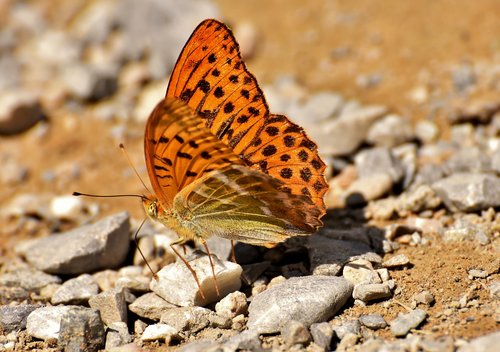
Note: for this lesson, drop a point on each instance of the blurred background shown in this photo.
(79, 77)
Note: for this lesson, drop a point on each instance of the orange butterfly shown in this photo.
(219, 162)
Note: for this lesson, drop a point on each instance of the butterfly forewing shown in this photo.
(179, 149)
(212, 79)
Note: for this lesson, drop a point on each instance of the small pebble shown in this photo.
(405, 322)
(396, 261)
(373, 321)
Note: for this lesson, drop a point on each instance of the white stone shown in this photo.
(232, 305)
(45, 323)
(159, 332)
(66, 207)
(177, 285)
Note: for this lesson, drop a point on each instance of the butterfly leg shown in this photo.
(233, 255)
(190, 268)
(213, 267)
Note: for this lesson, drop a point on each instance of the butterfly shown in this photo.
(219, 162)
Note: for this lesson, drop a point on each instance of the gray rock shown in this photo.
(396, 261)
(99, 246)
(19, 110)
(88, 82)
(370, 292)
(232, 305)
(429, 173)
(322, 334)
(150, 306)
(347, 327)
(177, 285)
(368, 188)
(14, 317)
(405, 322)
(251, 272)
(308, 299)
(470, 159)
(373, 321)
(112, 306)
(463, 230)
(469, 192)
(417, 199)
(76, 291)
(82, 329)
(247, 340)
(29, 279)
(219, 246)
(45, 322)
(407, 155)
(486, 343)
(186, 319)
(494, 288)
(346, 133)
(379, 160)
(328, 255)
(117, 335)
(294, 332)
(390, 131)
(360, 271)
(424, 297)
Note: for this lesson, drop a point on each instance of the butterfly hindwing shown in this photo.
(239, 203)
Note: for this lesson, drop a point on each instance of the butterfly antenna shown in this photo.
(139, 249)
(122, 147)
(77, 194)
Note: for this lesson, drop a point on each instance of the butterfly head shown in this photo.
(151, 205)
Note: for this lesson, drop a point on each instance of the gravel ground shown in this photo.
(402, 101)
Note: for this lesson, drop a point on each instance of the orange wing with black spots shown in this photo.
(212, 79)
(179, 149)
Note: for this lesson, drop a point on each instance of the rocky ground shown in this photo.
(403, 101)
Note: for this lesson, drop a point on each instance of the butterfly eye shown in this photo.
(153, 210)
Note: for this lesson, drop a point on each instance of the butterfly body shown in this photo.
(219, 162)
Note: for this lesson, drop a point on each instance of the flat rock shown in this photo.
(371, 292)
(19, 110)
(248, 340)
(360, 271)
(405, 322)
(390, 131)
(150, 306)
(187, 319)
(76, 291)
(350, 326)
(379, 160)
(368, 188)
(82, 329)
(93, 247)
(14, 317)
(396, 261)
(346, 133)
(45, 322)
(308, 299)
(328, 255)
(29, 279)
(111, 304)
(373, 321)
(177, 285)
(469, 192)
